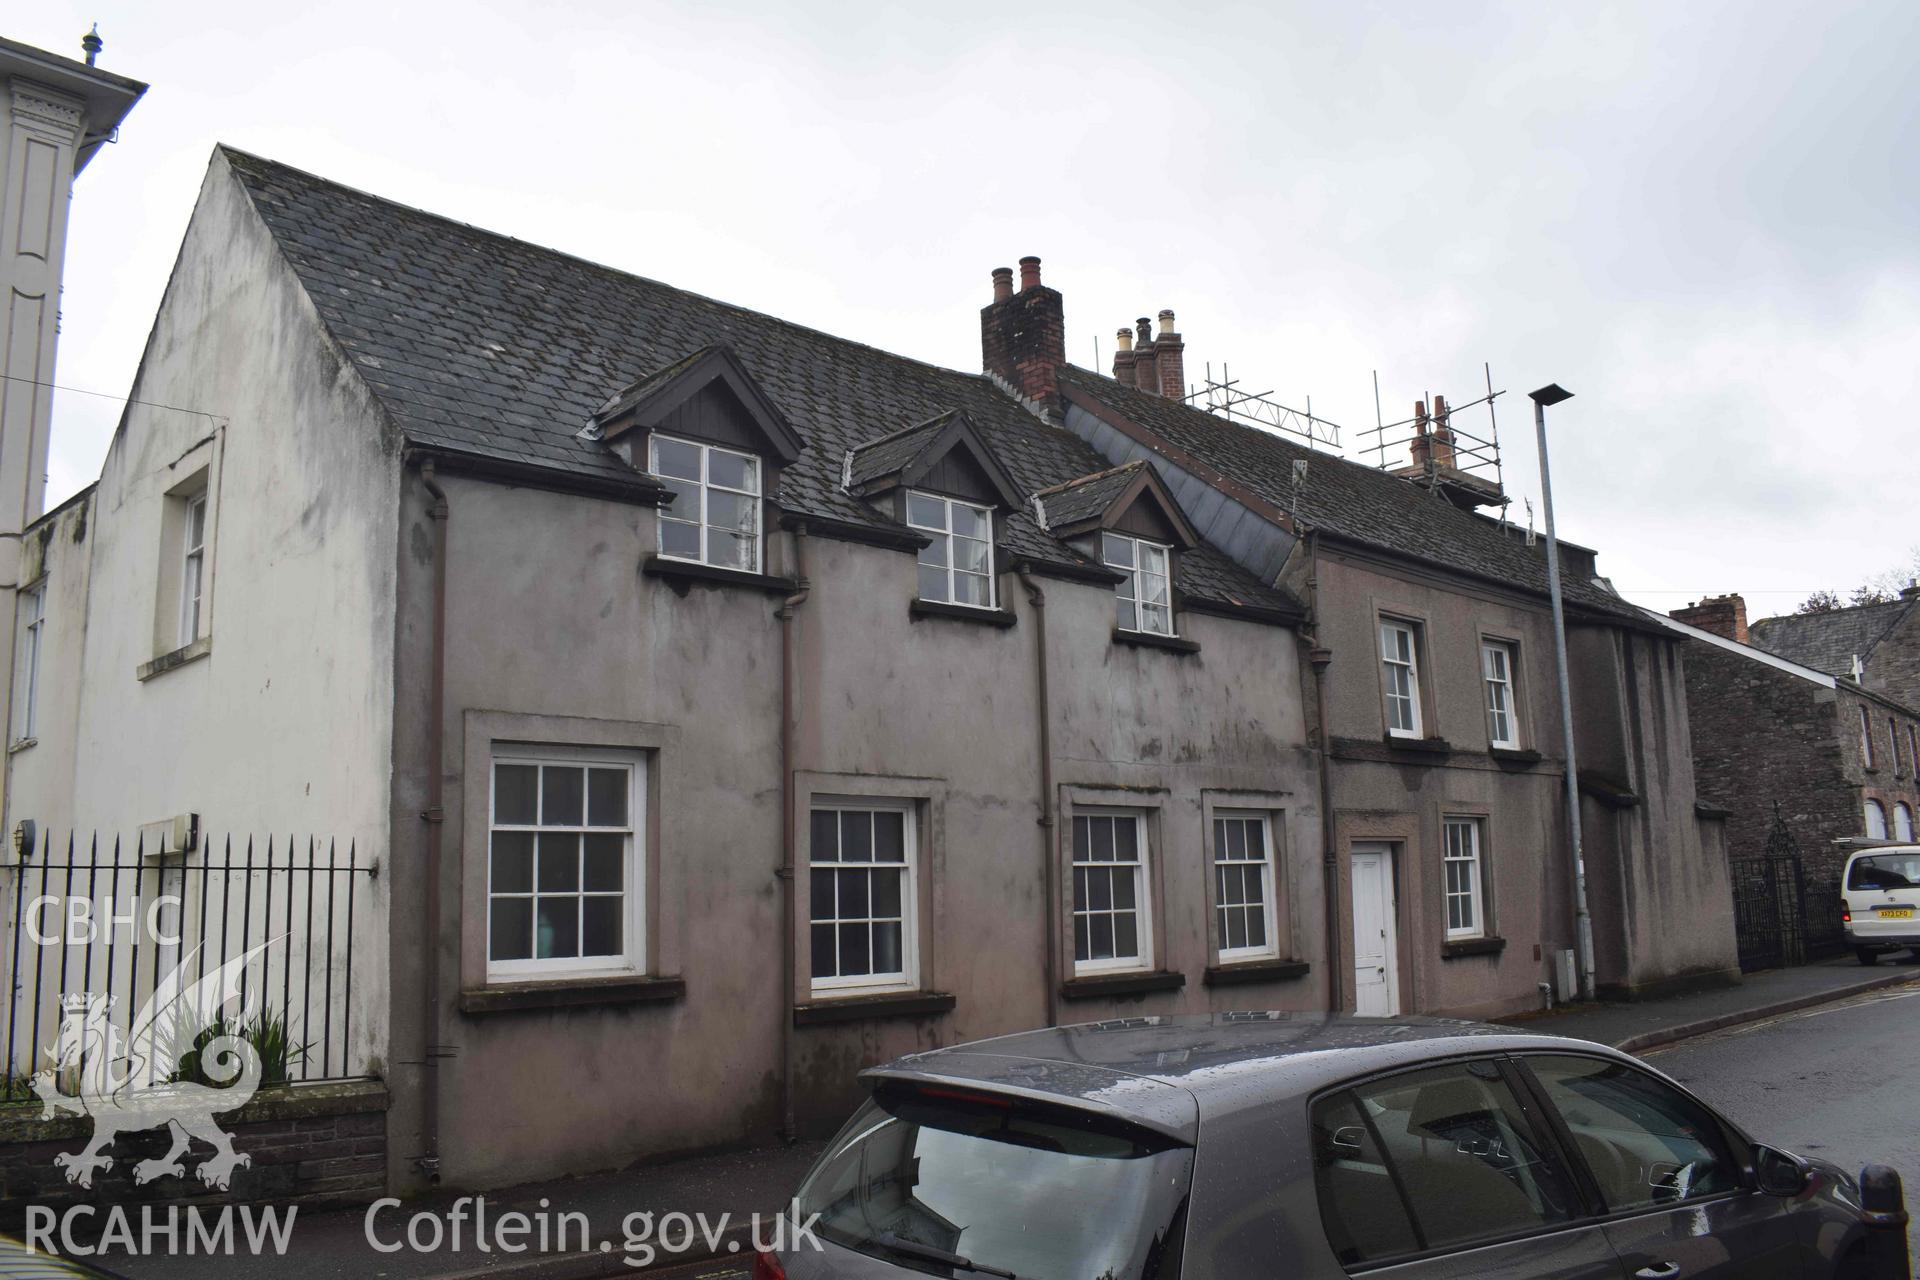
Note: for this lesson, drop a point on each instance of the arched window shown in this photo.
(1902, 822)
(1876, 821)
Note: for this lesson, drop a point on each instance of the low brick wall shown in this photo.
(309, 1144)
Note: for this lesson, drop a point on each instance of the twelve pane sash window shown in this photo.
(193, 569)
(715, 514)
(1462, 862)
(1243, 888)
(861, 893)
(1876, 821)
(1496, 665)
(1902, 821)
(1109, 892)
(1144, 602)
(956, 566)
(1400, 668)
(559, 870)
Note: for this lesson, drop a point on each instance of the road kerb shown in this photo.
(1758, 1013)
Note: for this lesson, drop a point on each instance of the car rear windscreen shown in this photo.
(1885, 871)
(1041, 1192)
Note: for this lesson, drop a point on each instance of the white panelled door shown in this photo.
(1376, 967)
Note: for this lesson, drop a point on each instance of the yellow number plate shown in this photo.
(1896, 913)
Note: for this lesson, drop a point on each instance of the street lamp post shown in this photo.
(1554, 393)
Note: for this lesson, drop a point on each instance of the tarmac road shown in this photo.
(1830, 1081)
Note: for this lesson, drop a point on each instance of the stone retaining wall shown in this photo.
(308, 1144)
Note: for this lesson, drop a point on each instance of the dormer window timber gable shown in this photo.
(946, 455)
(940, 479)
(706, 431)
(1125, 518)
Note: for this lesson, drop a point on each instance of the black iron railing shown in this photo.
(124, 920)
(1785, 912)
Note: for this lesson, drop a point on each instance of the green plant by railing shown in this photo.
(267, 1033)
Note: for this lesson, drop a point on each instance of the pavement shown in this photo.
(1639, 1025)
(626, 1212)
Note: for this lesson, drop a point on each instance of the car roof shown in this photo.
(1152, 1070)
(1885, 846)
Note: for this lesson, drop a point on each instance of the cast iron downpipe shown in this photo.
(435, 817)
(788, 832)
(1038, 598)
(1319, 656)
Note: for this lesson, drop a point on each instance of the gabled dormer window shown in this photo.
(1126, 517)
(1144, 600)
(714, 518)
(956, 565)
(703, 428)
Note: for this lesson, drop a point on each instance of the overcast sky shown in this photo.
(1699, 217)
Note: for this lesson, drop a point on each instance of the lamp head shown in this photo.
(1552, 393)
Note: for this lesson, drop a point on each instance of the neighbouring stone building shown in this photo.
(726, 706)
(1778, 715)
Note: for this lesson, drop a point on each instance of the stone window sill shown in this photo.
(1245, 971)
(1103, 985)
(1002, 618)
(902, 1004)
(516, 996)
(1419, 746)
(1147, 640)
(1521, 757)
(683, 575)
(177, 658)
(1472, 947)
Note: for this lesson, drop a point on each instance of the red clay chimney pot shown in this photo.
(1029, 273)
(1002, 283)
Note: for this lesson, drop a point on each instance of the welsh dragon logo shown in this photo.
(132, 1082)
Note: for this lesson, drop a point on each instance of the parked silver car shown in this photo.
(1276, 1144)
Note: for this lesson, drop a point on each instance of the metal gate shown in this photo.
(1783, 914)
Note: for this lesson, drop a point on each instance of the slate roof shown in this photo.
(1828, 641)
(1348, 499)
(1088, 496)
(479, 344)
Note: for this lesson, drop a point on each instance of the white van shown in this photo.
(1880, 900)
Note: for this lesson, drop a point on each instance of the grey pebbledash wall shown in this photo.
(319, 1144)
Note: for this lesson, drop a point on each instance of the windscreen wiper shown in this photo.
(914, 1249)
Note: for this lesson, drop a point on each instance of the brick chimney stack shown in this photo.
(1443, 450)
(1146, 359)
(1023, 336)
(1422, 442)
(1169, 353)
(1725, 616)
(1123, 357)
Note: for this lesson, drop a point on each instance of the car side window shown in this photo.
(1430, 1159)
(1646, 1143)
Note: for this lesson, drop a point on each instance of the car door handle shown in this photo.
(1659, 1271)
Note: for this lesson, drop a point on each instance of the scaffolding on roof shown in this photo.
(1225, 396)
